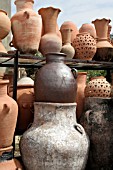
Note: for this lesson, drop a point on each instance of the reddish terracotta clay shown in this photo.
(85, 46)
(80, 98)
(67, 48)
(26, 27)
(86, 27)
(13, 164)
(8, 116)
(101, 26)
(50, 41)
(70, 25)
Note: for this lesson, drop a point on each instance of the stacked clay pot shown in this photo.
(98, 87)
(67, 48)
(26, 27)
(50, 41)
(72, 26)
(8, 116)
(85, 46)
(86, 27)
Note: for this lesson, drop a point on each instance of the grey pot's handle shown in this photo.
(79, 128)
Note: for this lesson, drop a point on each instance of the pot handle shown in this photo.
(26, 14)
(87, 114)
(6, 108)
(79, 128)
(75, 72)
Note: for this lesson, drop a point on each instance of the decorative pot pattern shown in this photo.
(50, 41)
(26, 27)
(85, 46)
(8, 116)
(98, 87)
(55, 82)
(67, 48)
(97, 120)
(55, 140)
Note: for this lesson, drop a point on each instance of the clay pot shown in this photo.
(5, 27)
(72, 26)
(97, 121)
(55, 82)
(55, 140)
(88, 28)
(11, 165)
(67, 48)
(98, 87)
(8, 116)
(50, 41)
(85, 46)
(80, 98)
(26, 27)
(25, 100)
(101, 26)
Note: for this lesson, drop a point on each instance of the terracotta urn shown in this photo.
(98, 87)
(8, 116)
(86, 27)
(55, 139)
(50, 41)
(55, 81)
(26, 27)
(85, 46)
(101, 26)
(80, 98)
(67, 48)
(25, 100)
(12, 164)
(70, 25)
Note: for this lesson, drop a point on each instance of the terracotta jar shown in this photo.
(101, 26)
(80, 98)
(55, 81)
(72, 26)
(50, 41)
(86, 27)
(26, 27)
(13, 164)
(97, 121)
(98, 87)
(55, 140)
(67, 48)
(85, 46)
(8, 116)
(25, 100)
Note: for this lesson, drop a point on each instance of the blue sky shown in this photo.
(77, 11)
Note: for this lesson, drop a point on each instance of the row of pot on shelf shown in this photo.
(33, 32)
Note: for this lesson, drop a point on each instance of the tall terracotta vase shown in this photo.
(55, 141)
(26, 27)
(80, 98)
(67, 48)
(8, 116)
(50, 41)
(101, 26)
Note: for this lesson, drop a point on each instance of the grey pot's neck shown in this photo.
(61, 113)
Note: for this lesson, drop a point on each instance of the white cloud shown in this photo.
(77, 11)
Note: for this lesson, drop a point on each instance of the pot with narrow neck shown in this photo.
(50, 41)
(67, 48)
(26, 27)
(55, 81)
